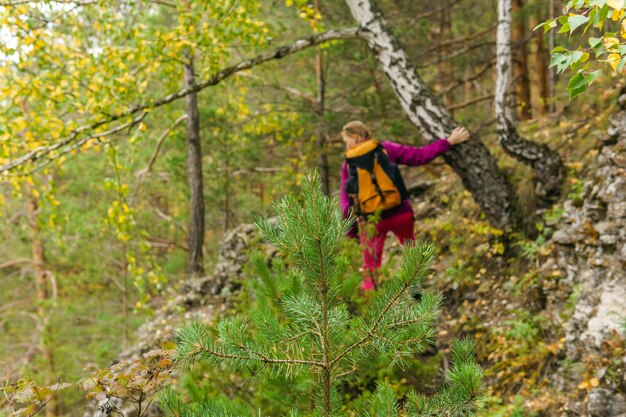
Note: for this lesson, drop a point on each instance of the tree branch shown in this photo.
(214, 79)
(470, 102)
(14, 262)
(259, 357)
(45, 151)
(370, 332)
(141, 174)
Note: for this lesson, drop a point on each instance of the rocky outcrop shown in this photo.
(591, 246)
(591, 252)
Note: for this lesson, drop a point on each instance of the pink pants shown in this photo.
(401, 226)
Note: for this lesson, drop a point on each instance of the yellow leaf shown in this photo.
(594, 382)
(616, 4)
(610, 42)
(623, 29)
(614, 61)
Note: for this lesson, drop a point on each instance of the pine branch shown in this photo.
(199, 349)
(370, 332)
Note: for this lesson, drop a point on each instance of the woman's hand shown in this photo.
(458, 135)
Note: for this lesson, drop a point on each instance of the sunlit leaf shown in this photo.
(613, 60)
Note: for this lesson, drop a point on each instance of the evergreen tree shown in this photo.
(312, 331)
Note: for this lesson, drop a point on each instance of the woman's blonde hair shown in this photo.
(358, 128)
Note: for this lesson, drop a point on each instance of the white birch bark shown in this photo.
(504, 110)
(547, 165)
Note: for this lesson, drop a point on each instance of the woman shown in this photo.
(398, 219)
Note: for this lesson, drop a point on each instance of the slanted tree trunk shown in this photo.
(194, 164)
(520, 61)
(546, 163)
(477, 168)
(319, 111)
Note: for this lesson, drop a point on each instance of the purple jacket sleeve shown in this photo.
(414, 156)
(344, 200)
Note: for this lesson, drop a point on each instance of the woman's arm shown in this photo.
(413, 155)
(344, 201)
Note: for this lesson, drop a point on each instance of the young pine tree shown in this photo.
(308, 329)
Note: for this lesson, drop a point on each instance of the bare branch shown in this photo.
(260, 170)
(14, 262)
(466, 38)
(142, 174)
(470, 102)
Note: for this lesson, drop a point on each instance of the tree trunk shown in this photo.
(520, 61)
(194, 163)
(445, 76)
(227, 190)
(546, 163)
(319, 111)
(539, 72)
(553, 75)
(477, 168)
(42, 291)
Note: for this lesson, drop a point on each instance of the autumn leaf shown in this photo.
(610, 42)
(613, 60)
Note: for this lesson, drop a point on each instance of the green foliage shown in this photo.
(606, 19)
(305, 329)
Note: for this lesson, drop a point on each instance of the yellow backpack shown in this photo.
(374, 182)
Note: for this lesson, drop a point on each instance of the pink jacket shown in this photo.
(401, 155)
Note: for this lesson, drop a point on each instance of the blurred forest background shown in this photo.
(115, 207)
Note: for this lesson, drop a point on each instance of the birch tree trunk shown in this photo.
(546, 163)
(194, 164)
(471, 160)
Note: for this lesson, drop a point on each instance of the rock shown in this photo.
(568, 236)
(617, 210)
(605, 403)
